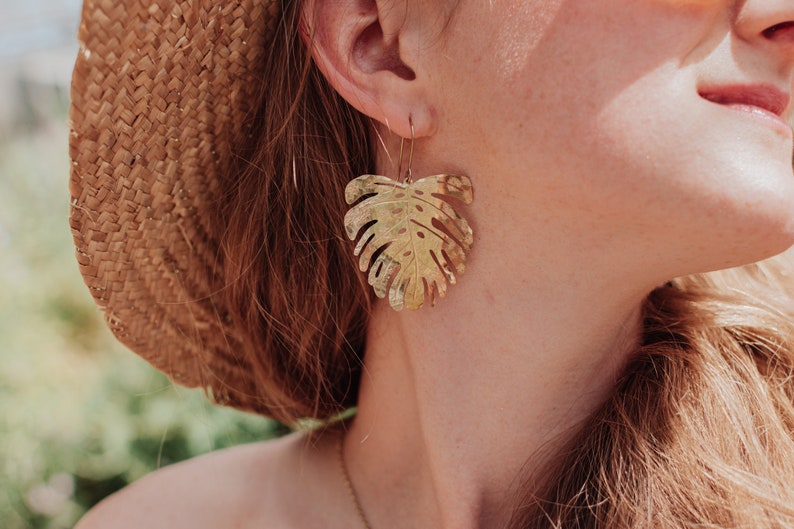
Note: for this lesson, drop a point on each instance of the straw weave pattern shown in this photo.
(159, 91)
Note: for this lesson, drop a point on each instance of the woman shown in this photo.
(567, 379)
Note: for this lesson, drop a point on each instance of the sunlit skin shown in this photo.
(599, 169)
(600, 127)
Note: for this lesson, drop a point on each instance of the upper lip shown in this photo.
(767, 97)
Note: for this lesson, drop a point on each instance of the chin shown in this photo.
(776, 242)
(731, 235)
(757, 219)
(766, 238)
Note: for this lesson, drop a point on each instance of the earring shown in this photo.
(413, 241)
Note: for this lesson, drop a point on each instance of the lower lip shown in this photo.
(778, 123)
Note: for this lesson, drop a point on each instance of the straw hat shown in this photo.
(159, 91)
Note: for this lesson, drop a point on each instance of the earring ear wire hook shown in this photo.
(408, 172)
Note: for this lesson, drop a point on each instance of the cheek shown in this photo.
(521, 27)
(715, 187)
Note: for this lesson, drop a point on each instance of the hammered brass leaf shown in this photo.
(419, 240)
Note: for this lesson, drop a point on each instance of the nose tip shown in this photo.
(773, 20)
(768, 25)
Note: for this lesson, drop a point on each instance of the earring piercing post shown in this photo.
(409, 172)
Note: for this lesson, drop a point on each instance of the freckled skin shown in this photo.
(598, 122)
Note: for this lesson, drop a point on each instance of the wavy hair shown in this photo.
(699, 433)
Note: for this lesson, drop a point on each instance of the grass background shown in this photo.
(80, 417)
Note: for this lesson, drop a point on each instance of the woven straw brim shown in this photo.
(159, 93)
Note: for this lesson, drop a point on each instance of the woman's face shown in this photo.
(653, 126)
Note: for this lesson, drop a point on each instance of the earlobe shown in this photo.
(357, 46)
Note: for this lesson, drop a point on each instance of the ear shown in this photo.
(368, 51)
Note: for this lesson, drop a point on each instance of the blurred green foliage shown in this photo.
(79, 416)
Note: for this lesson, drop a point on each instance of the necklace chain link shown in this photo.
(349, 483)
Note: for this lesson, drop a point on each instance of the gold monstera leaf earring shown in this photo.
(410, 238)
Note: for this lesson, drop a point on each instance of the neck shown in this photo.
(460, 402)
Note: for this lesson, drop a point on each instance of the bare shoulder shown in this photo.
(246, 486)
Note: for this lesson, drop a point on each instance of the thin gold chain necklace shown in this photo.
(349, 482)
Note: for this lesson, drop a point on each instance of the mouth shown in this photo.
(765, 98)
(761, 101)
